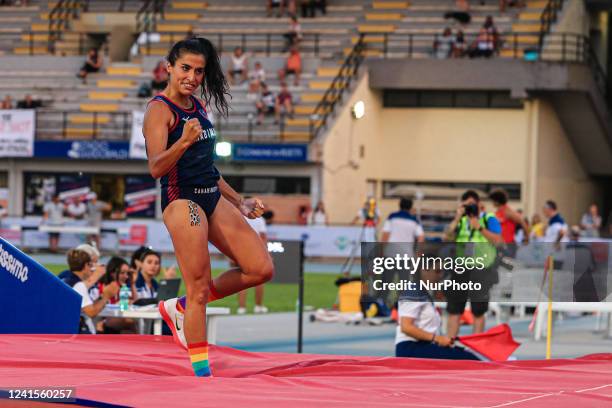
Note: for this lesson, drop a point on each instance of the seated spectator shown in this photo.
(294, 35)
(309, 6)
(419, 323)
(93, 63)
(80, 264)
(150, 267)
(510, 3)
(97, 269)
(76, 209)
(293, 66)
(28, 103)
(7, 102)
(284, 102)
(278, 4)
(266, 105)
(444, 46)
(257, 77)
(239, 66)
(117, 272)
(459, 47)
(160, 78)
(487, 42)
(461, 13)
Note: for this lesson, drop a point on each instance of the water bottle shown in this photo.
(124, 297)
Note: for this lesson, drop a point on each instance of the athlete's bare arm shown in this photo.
(251, 207)
(158, 119)
(229, 193)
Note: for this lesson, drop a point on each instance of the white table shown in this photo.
(151, 313)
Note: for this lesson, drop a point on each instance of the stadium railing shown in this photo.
(347, 72)
(548, 18)
(557, 47)
(117, 126)
(259, 43)
(60, 16)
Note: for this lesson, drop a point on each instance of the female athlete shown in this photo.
(198, 205)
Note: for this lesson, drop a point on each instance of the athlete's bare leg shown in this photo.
(188, 228)
(234, 237)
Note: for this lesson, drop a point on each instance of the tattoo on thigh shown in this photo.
(194, 215)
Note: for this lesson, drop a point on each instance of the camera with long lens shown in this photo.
(471, 210)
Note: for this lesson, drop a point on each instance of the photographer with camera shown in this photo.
(473, 225)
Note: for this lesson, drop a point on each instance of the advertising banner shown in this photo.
(17, 133)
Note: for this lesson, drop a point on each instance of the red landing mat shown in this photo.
(149, 371)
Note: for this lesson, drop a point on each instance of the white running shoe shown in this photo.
(241, 310)
(174, 320)
(260, 309)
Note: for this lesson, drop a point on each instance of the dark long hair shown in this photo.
(215, 85)
(112, 270)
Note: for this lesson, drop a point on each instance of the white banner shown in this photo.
(17, 133)
(335, 241)
(138, 149)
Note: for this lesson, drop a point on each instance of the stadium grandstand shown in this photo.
(487, 122)
(395, 47)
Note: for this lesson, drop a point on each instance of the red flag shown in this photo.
(496, 343)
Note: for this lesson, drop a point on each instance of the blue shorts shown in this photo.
(425, 349)
(206, 197)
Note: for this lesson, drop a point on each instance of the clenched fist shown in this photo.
(251, 208)
(192, 130)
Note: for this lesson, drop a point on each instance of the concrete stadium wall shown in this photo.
(560, 175)
(446, 145)
(526, 146)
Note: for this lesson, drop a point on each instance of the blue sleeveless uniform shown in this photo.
(194, 177)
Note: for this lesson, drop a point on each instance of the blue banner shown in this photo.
(270, 152)
(82, 149)
(32, 299)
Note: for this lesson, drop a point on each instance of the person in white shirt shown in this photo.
(239, 66)
(319, 216)
(256, 77)
(54, 215)
(417, 334)
(80, 269)
(76, 209)
(259, 225)
(557, 230)
(402, 229)
(402, 226)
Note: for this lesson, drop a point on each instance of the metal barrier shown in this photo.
(557, 46)
(56, 124)
(347, 72)
(548, 18)
(59, 18)
(264, 43)
(53, 124)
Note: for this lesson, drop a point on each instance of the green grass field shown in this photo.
(319, 291)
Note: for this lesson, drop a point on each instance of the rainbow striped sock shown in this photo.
(198, 353)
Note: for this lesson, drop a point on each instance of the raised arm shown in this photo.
(157, 120)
